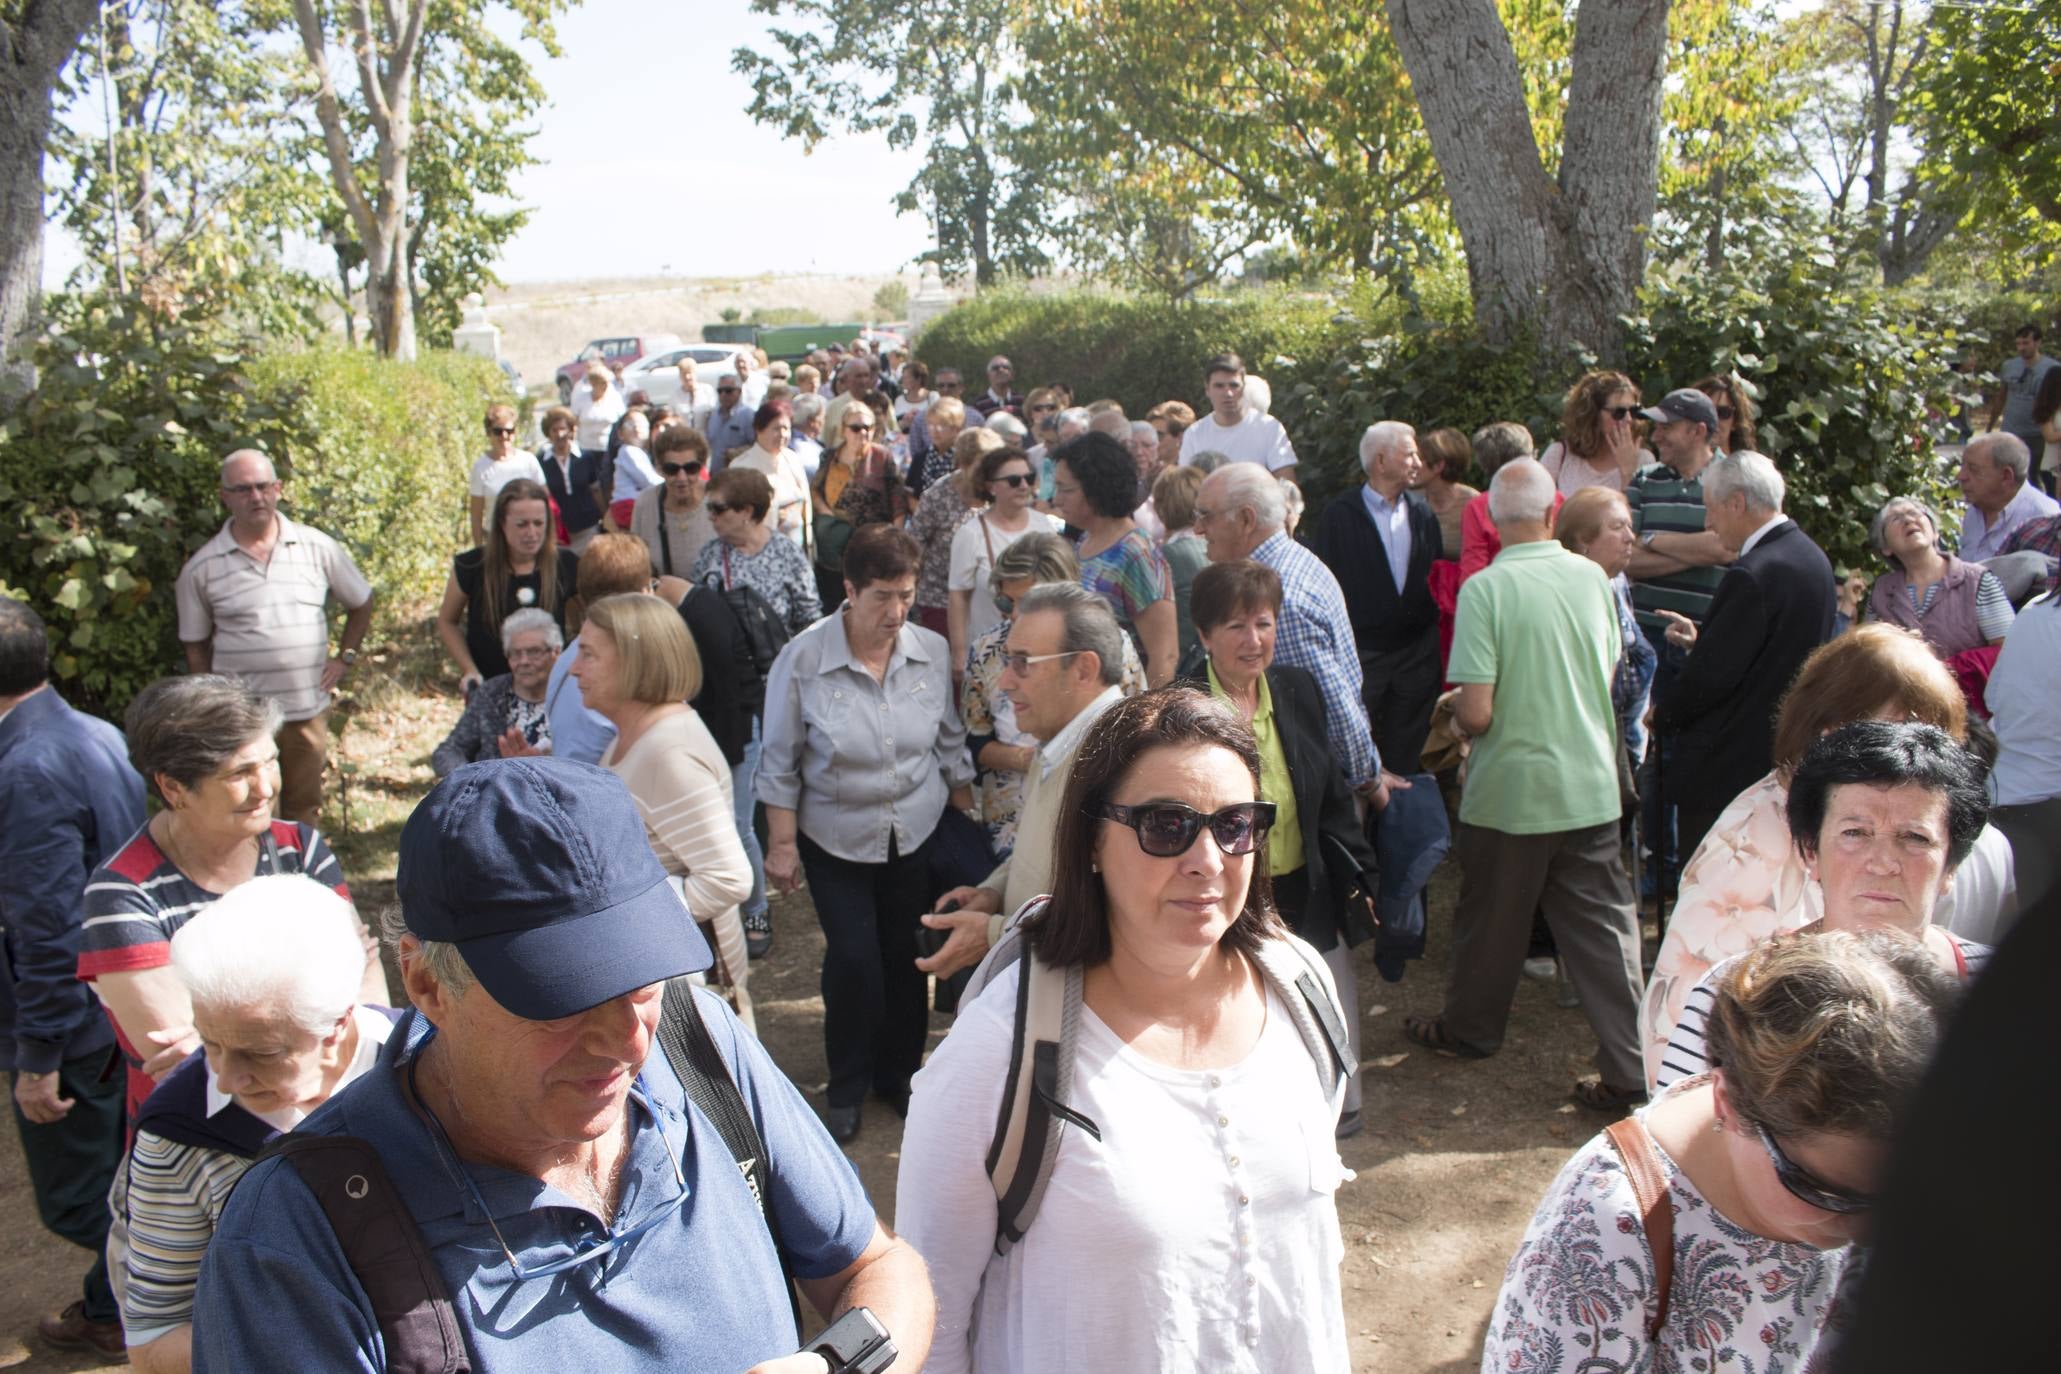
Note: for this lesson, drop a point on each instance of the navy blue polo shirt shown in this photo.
(701, 1291)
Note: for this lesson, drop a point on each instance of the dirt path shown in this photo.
(1453, 1158)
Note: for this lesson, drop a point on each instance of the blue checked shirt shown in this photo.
(1316, 635)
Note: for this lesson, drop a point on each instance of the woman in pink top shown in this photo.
(1598, 445)
(1494, 445)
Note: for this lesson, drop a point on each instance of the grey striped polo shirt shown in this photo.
(1663, 503)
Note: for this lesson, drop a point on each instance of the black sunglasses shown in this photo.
(501, 429)
(726, 391)
(1725, 412)
(859, 429)
(721, 508)
(1807, 1189)
(675, 469)
(1014, 479)
(1620, 412)
(1166, 830)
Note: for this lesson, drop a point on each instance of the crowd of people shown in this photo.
(1071, 724)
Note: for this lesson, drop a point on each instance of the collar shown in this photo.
(1263, 705)
(1535, 548)
(31, 711)
(1055, 750)
(1754, 539)
(1269, 548)
(1379, 502)
(225, 538)
(837, 649)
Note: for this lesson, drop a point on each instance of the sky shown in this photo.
(648, 164)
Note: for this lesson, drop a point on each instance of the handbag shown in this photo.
(1656, 1212)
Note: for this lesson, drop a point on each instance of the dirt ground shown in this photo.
(1453, 1157)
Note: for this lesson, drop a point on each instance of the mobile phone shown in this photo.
(856, 1343)
(929, 939)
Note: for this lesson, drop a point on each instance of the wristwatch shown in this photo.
(347, 657)
(1646, 539)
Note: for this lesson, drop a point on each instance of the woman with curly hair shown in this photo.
(1735, 412)
(1095, 488)
(1598, 446)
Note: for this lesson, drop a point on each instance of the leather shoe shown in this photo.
(757, 944)
(1349, 1126)
(72, 1329)
(843, 1123)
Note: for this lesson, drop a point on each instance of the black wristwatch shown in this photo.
(856, 1343)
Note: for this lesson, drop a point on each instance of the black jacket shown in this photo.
(1772, 608)
(576, 502)
(1330, 823)
(1350, 545)
(726, 669)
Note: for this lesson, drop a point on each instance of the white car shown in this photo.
(657, 375)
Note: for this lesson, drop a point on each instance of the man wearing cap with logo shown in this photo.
(581, 1212)
(1678, 562)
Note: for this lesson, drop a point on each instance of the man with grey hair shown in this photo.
(1241, 513)
(251, 605)
(806, 437)
(728, 426)
(1535, 645)
(1063, 661)
(1995, 480)
(1773, 607)
(1380, 543)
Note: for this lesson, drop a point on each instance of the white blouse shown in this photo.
(1201, 1231)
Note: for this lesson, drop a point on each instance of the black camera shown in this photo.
(856, 1343)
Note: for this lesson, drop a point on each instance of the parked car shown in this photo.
(617, 352)
(657, 375)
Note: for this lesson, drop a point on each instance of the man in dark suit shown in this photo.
(1380, 542)
(1773, 607)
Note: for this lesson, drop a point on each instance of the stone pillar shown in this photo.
(476, 335)
(930, 301)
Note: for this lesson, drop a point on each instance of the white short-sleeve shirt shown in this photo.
(1256, 438)
(973, 559)
(490, 475)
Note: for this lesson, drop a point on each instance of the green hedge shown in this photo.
(1136, 350)
(114, 460)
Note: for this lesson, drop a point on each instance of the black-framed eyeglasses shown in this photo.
(675, 469)
(251, 488)
(1014, 479)
(1805, 1187)
(858, 429)
(721, 508)
(1725, 412)
(726, 391)
(1166, 830)
(503, 431)
(1620, 412)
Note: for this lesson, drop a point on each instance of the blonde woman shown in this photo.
(638, 666)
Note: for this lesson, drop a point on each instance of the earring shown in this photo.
(1094, 868)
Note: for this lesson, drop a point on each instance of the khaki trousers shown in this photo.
(303, 753)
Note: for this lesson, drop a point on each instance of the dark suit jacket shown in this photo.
(1349, 544)
(1323, 802)
(576, 501)
(1772, 608)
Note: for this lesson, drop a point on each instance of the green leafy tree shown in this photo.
(1988, 103)
(891, 301)
(933, 75)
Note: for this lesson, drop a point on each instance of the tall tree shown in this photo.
(1561, 255)
(1991, 103)
(36, 40)
(934, 75)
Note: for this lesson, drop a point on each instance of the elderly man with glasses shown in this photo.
(728, 426)
(578, 1206)
(251, 606)
(1001, 393)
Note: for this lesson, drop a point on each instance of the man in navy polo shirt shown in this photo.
(582, 1213)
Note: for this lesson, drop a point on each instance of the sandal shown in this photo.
(1431, 1032)
(1599, 1096)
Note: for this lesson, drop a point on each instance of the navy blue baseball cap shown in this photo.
(539, 871)
(1687, 403)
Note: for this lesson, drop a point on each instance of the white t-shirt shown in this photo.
(789, 513)
(2025, 710)
(1254, 439)
(594, 419)
(1199, 1233)
(972, 560)
(489, 476)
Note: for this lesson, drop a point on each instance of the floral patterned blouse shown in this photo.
(989, 716)
(939, 514)
(1578, 1292)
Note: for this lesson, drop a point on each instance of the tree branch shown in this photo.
(329, 113)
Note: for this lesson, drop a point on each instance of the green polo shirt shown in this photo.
(1662, 502)
(1540, 625)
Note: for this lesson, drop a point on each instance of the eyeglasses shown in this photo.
(501, 431)
(675, 469)
(448, 1156)
(1014, 479)
(1020, 664)
(1043, 409)
(1166, 830)
(1725, 412)
(1620, 412)
(721, 508)
(726, 391)
(858, 429)
(251, 488)
(1804, 1187)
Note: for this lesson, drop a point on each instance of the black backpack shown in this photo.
(762, 631)
(385, 1249)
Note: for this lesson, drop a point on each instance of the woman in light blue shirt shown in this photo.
(864, 749)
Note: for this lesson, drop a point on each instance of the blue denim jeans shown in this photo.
(741, 780)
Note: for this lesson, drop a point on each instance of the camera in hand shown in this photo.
(856, 1343)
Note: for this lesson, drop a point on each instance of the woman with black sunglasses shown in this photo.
(1193, 1224)
(1710, 1231)
(671, 518)
(1599, 438)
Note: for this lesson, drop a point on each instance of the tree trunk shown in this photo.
(33, 51)
(1561, 260)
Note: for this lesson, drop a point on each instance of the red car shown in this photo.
(617, 352)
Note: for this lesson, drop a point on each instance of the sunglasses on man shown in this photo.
(501, 431)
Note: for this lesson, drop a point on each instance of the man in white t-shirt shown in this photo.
(1242, 435)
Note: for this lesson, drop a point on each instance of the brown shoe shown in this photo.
(71, 1329)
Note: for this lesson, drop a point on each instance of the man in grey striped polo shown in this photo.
(252, 606)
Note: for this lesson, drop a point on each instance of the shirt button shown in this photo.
(1215, 1082)
(1223, 1121)
(1244, 1201)
(1234, 1161)
(1251, 1281)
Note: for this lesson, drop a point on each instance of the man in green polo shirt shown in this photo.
(1535, 643)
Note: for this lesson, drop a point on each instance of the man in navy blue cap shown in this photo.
(582, 1213)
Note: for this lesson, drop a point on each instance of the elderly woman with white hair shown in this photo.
(505, 716)
(273, 969)
(1954, 606)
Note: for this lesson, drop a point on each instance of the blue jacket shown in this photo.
(68, 801)
(1411, 837)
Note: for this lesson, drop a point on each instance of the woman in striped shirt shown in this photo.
(638, 666)
(204, 746)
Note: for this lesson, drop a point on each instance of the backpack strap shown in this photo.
(1289, 971)
(1656, 1213)
(384, 1248)
(699, 1065)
